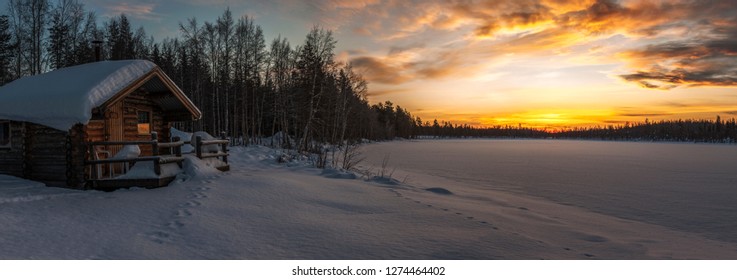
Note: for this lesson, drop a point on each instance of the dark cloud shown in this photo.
(386, 91)
(400, 49)
(692, 63)
(703, 51)
(513, 14)
(377, 70)
(396, 69)
(705, 54)
(645, 79)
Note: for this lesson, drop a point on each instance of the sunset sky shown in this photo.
(548, 63)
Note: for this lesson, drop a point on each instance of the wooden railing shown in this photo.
(174, 154)
(223, 142)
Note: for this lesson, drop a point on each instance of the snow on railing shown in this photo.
(203, 148)
(174, 155)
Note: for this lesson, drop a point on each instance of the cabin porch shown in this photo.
(129, 168)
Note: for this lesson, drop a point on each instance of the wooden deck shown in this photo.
(101, 180)
(114, 184)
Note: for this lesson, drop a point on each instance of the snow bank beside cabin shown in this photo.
(64, 97)
(183, 136)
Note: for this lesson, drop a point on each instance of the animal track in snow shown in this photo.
(183, 213)
(160, 237)
(193, 203)
(175, 225)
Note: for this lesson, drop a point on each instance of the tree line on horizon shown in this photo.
(708, 131)
(250, 88)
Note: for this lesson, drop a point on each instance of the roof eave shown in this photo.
(170, 85)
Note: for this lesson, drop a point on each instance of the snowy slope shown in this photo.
(263, 210)
(65, 97)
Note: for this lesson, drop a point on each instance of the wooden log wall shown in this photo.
(139, 101)
(95, 131)
(45, 154)
(11, 160)
(76, 152)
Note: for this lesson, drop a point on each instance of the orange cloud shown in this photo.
(691, 42)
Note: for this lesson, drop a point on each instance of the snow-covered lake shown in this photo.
(683, 186)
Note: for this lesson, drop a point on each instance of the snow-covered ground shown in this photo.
(265, 210)
(658, 200)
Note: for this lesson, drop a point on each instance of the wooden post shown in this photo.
(155, 151)
(198, 146)
(157, 167)
(154, 143)
(224, 146)
(177, 150)
(94, 165)
(26, 146)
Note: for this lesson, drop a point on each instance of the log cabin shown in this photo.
(60, 127)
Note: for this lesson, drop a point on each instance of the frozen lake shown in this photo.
(683, 186)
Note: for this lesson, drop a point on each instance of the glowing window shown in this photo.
(144, 122)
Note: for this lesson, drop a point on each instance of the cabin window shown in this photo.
(144, 122)
(4, 134)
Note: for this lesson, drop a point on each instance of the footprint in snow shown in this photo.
(175, 225)
(160, 237)
(192, 203)
(184, 213)
(200, 195)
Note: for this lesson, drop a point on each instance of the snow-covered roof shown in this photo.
(64, 97)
